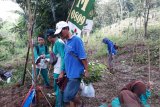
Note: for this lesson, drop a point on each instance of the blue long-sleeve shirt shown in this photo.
(110, 45)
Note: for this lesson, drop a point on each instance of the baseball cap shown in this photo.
(50, 32)
(59, 26)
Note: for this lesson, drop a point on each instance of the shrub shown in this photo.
(95, 70)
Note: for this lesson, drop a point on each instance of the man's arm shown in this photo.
(82, 55)
(61, 52)
(85, 63)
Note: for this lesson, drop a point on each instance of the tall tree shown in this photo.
(147, 6)
(49, 12)
(52, 3)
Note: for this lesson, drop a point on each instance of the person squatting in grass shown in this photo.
(58, 50)
(76, 64)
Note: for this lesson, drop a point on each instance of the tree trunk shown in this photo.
(53, 9)
(25, 67)
(141, 22)
(159, 53)
(128, 31)
(121, 8)
(145, 30)
(30, 32)
(135, 27)
(146, 17)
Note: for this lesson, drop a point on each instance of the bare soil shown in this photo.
(125, 70)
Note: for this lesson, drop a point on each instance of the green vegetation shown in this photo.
(96, 70)
(13, 37)
(13, 52)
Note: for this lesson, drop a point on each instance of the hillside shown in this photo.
(130, 23)
(7, 10)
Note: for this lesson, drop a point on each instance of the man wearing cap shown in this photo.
(58, 50)
(76, 63)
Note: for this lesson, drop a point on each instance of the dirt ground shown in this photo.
(106, 89)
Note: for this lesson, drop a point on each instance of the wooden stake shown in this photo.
(45, 97)
(149, 64)
(24, 74)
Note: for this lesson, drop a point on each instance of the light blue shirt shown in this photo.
(110, 45)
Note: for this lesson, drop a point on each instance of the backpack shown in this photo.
(53, 58)
(5, 74)
(46, 49)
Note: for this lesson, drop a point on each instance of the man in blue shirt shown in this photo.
(76, 63)
(111, 51)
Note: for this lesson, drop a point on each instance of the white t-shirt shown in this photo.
(57, 66)
(43, 64)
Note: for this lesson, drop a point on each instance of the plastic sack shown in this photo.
(87, 90)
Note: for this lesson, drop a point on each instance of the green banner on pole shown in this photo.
(83, 10)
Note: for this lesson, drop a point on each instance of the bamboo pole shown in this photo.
(149, 63)
(24, 74)
(45, 97)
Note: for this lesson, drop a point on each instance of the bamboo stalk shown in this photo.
(45, 97)
(149, 64)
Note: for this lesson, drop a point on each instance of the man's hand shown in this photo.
(46, 60)
(50, 67)
(86, 73)
(38, 64)
(150, 85)
(61, 75)
(42, 56)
